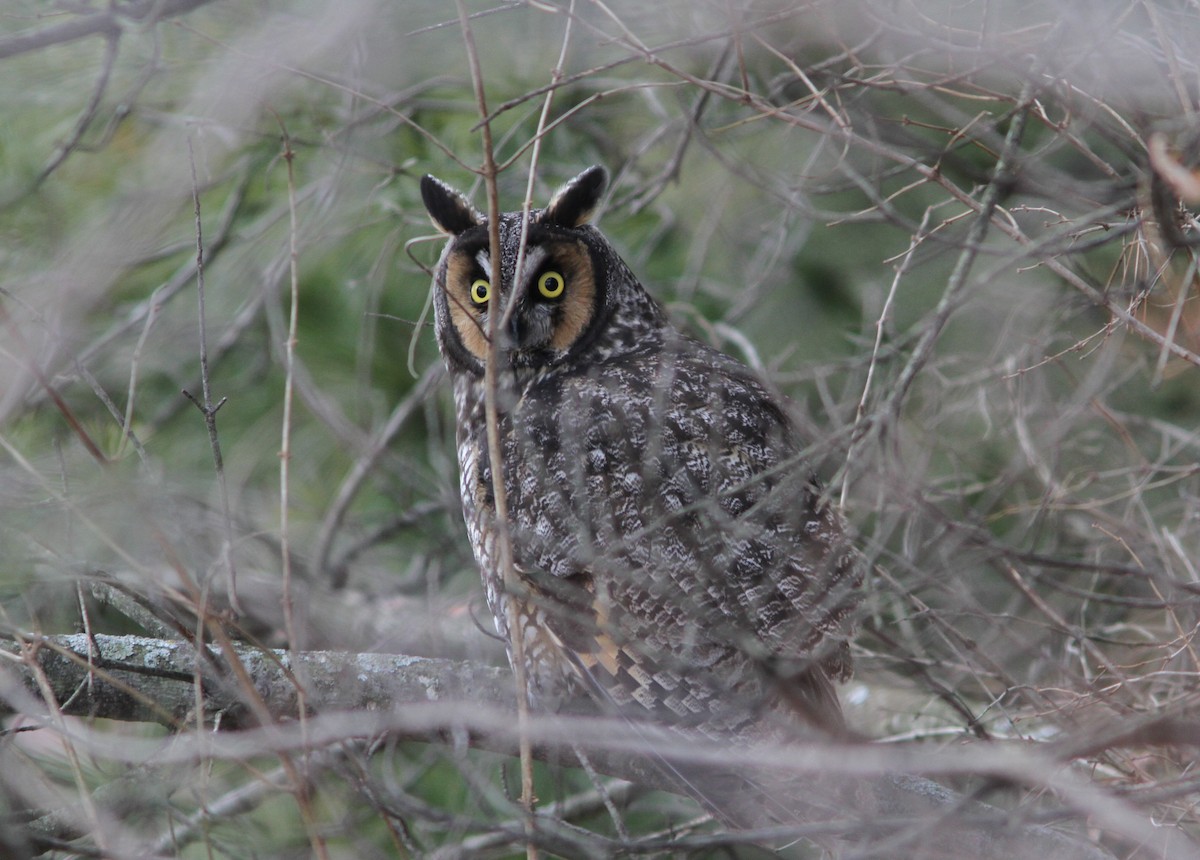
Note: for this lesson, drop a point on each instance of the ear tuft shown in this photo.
(573, 204)
(450, 211)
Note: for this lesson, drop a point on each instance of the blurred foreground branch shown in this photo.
(109, 23)
(830, 790)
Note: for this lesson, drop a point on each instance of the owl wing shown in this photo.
(687, 565)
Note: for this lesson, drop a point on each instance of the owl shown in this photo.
(673, 558)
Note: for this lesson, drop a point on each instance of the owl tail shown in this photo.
(811, 697)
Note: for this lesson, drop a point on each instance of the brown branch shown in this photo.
(504, 554)
(852, 791)
(15, 336)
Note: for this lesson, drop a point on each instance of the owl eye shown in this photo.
(481, 290)
(550, 285)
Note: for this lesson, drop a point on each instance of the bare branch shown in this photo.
(108, 23)
(363, 695)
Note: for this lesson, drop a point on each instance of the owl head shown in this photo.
(571, 288)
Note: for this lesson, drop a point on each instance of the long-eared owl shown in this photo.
(673, 555)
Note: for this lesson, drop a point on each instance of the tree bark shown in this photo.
(851, 793)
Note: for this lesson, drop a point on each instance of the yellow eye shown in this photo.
(481, 290)
(551, 285)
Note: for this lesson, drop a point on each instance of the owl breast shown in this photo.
(672, 540)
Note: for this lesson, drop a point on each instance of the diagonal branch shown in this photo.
(108, 23)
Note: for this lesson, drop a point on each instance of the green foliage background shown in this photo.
(1045, 446)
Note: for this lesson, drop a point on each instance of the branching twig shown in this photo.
(109, 23)
(952, 296)
(205, 404)
(113, 44)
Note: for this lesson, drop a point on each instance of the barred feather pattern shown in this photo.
(676, 559)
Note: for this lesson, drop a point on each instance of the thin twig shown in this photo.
(181, 279)
(955, 286)
(495, 451)
(881, 325)
(107, 23)
(205, 404)
(127, 434)
(29, 651)
(26, 352)
(299, 782)
(360, 471)
(112, 46)
(289, 387)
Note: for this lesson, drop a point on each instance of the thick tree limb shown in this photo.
(152, 680)
(831, 791)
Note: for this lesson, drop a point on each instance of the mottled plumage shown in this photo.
(674, 556)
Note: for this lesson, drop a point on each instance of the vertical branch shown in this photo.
(208, 408)
(29, 656)
(861, 426)
(289, 385)
(539, 135)
(300, 781)
(496, 460)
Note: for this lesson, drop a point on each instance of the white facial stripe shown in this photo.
(534, 256)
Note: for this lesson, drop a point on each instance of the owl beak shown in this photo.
(528, 330)
(516, 329)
